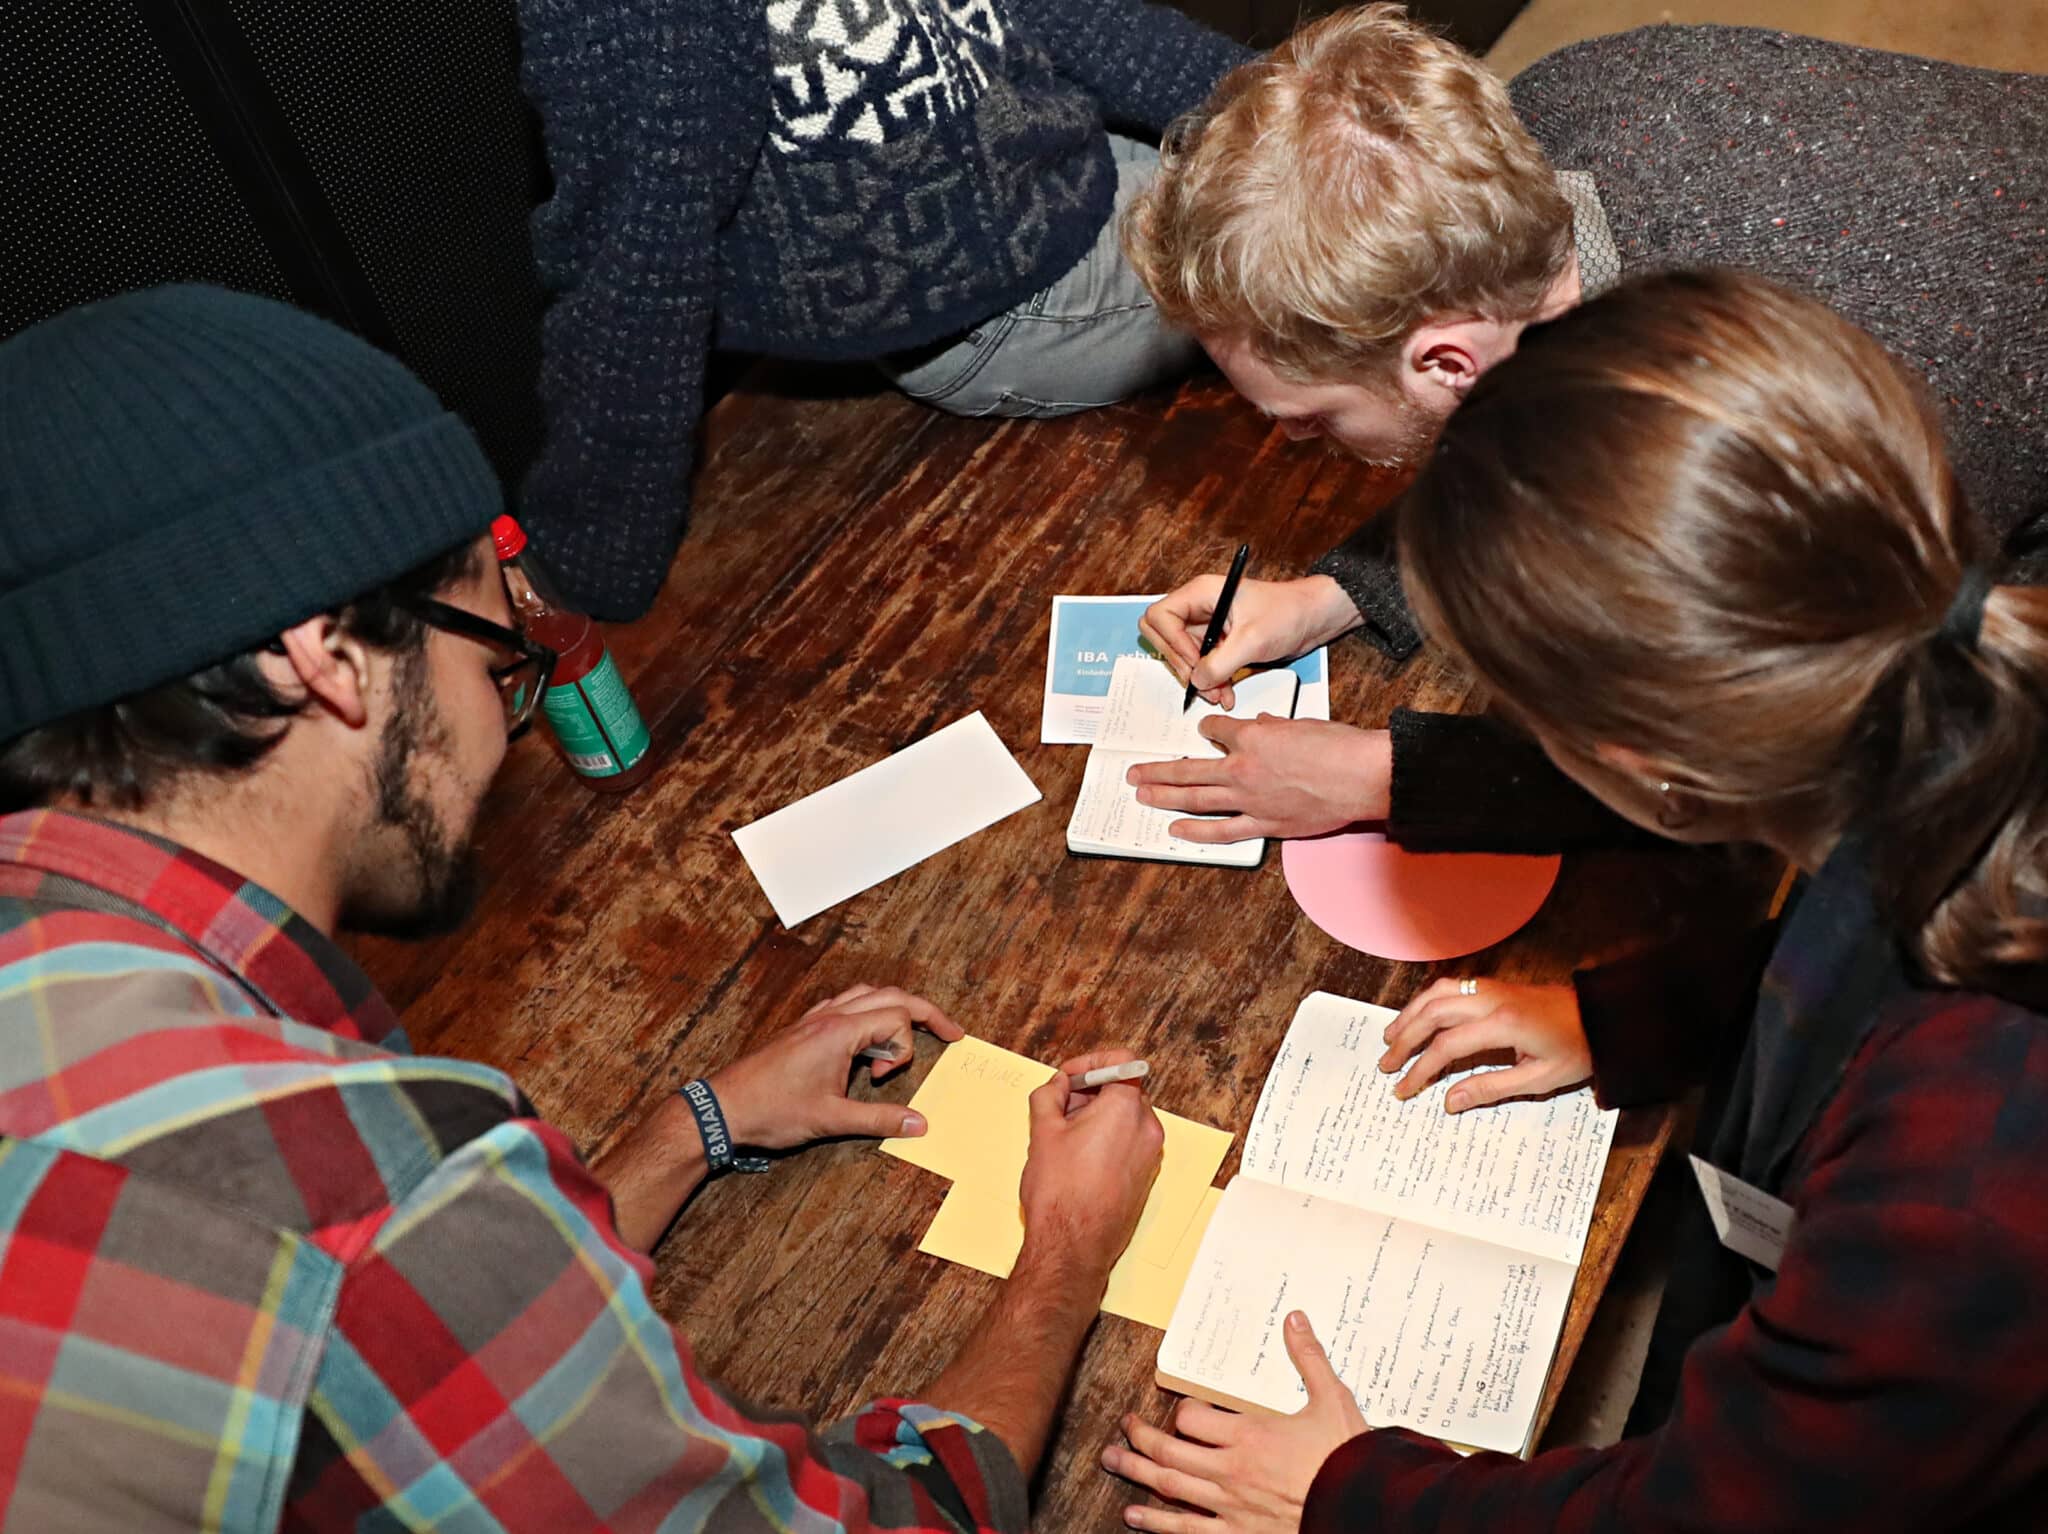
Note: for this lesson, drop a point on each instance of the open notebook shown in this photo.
(1142, 722)
(1433, 1254)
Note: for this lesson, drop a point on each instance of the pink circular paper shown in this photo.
(1415, 906)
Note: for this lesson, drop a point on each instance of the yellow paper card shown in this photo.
(970, 1229)
(1145, 1294)
(976, 1103)
(1187, 1166)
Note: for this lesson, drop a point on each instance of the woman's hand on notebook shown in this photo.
(1269, 620)
(1449, 1023)
(1276, 777)
(1248, 1473)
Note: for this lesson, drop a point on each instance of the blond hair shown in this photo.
(1707, 519)
(1329, 198)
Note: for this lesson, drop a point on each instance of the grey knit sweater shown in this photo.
(829, 179)
(1910, 195)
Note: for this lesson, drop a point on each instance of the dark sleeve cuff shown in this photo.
(1664, 1020)
(1365, 565)
(1466, 783)
(1371, 1479)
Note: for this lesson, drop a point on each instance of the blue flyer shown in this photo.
(1089, 633)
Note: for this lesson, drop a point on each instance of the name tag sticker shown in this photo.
(1748, 1220)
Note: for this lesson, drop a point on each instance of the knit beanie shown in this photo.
(187, 472)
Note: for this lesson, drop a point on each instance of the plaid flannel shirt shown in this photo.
(261, 1268)
(1892, 1375)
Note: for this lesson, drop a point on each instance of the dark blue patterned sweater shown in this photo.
(830, 179)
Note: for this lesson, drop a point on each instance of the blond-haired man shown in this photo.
(1361, 223)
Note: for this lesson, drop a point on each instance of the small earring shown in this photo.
(1674, 813)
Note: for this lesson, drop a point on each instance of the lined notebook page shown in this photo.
(1142, 722)
(1440, 1333)
(1108, 817)
(1143, 710)
(1524, 1174)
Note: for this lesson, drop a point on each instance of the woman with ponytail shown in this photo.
(1703, 542)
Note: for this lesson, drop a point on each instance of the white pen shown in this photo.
(1103, 1075)
(889, 1052)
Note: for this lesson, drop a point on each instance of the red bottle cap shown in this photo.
(509, 536)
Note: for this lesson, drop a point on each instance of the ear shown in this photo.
(1644, 769)
(1444, 358)
(333, 667)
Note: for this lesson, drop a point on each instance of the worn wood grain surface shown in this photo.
(860, 572)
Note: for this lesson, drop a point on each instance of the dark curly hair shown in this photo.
(224, 719)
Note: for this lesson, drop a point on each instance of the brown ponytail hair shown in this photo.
(1708, 520)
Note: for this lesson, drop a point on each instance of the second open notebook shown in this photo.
(1142, 722)
(1434, 1254)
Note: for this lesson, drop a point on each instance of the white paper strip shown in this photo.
(831, 845)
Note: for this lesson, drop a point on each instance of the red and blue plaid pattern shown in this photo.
(260, 1271)
(1893, 1376)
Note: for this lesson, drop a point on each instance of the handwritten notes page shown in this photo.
(976, 1105)
(1434, 1253)
(1435, 1332)
(1143, 712)
(1524, 1174)
(1142, 722)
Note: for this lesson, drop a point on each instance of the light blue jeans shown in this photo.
(1090, 339)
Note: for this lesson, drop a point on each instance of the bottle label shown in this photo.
(601, 731)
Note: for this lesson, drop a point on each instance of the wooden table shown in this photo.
(860, 572)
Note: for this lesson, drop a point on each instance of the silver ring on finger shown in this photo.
(1468, 987)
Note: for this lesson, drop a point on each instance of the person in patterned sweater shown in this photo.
(1827, 656)
(930, 185)
(263, 1268)
(1361, 223)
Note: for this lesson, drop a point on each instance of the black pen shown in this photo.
(1244, 552)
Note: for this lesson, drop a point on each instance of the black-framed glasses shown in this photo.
(523, 670)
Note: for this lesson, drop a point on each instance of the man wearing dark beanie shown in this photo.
(260, 1267)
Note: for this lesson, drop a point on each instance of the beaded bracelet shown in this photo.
(719, 1154)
